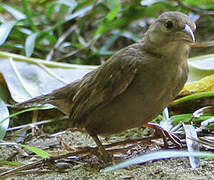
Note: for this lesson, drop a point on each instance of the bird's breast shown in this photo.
(153, 88)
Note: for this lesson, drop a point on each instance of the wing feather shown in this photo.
(101, 87)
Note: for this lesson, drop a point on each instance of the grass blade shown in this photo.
(5, 29)
(157, 156)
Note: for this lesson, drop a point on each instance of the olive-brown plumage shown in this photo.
(134, 85)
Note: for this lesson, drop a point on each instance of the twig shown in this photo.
(18, 169)
(83, 151)
(131, 141)
(37, 172)
(59, 42)
(203, 44)
(71, 53)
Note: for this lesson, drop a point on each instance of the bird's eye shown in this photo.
(168, 24)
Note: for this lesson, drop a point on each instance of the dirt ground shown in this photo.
(85, 168)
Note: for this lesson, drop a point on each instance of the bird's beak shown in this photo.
(190, 36)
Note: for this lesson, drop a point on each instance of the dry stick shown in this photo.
(129, 141)
(39, 163)
(71, 53)
(85, 46)
(18, 169)
(203, 44)
(203, 141)
(82, 41)
(85, 151)
(59, 42)
(37, 172)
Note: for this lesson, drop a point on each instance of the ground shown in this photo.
(89, 168)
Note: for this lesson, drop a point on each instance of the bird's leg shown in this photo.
(104, 155)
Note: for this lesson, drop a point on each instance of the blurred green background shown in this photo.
(89, 31)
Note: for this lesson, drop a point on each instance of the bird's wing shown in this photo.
(101, 87)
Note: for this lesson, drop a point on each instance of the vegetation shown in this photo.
(51, 40)
(82, 32)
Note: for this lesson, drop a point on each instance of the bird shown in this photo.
(133, 86)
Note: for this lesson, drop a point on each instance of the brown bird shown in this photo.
(133, 86)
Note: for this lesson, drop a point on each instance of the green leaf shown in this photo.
(166, 122)
(181, 118)
(29, 77)
(205, 4)
(37, 151)
(17, 14)
(49, 11)
(193, 97)
(149, 2)
(78, 13)
(115, 9)
(157, 156)
(127, 34)
(130, 14)
(10, 163)
(207, 122)
(3, 114)
(5, 29)
(26, 110)
(154, 9)
(165, 114)
(30, 44)
(70, 3)
(108, 43)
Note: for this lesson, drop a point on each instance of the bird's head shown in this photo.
(171, 26)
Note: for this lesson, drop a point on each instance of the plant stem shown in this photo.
(193, 97)
(29, 17)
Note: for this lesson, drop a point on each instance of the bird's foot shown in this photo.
(104, 156)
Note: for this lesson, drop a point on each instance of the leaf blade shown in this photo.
(30, 44)
(4, 112)
(37, 151)
(156, 156)
(5, 29)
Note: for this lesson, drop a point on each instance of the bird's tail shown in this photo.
(37, 101)
(61, 98)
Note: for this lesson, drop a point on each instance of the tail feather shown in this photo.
(37, 101)
(61, 98)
